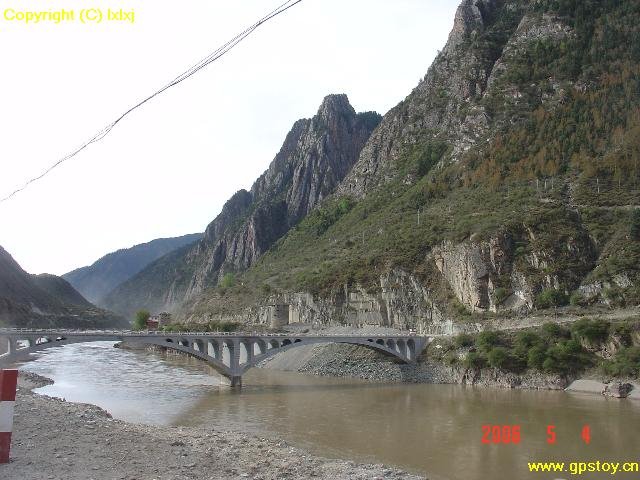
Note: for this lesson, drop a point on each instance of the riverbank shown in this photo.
(356, 362)
(58, 440)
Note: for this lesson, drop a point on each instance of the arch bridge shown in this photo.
(230, 354)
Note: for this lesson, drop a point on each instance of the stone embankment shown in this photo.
(58, 440)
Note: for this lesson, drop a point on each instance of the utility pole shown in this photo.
(418, 216)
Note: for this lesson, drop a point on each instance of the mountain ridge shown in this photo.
(46, 301)
(95, 281)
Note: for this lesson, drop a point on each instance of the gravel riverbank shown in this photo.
(58, 440)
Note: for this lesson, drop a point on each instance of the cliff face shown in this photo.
(94, 282)
(45, 301)
(446, 106)
(494, 275)
(316, 155)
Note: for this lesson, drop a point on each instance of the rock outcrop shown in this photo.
(617, 389)
(493, 274)
(400, 300)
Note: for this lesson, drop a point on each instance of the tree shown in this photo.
(140, 321)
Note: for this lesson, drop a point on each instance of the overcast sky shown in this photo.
(168, 168)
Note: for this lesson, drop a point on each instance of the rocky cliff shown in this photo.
(316, 155)
(45, 301)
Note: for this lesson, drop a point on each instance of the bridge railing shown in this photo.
(132, 333)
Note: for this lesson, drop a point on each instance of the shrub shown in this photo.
(576, 299)
(528, 339)
(228, 281)
(550, 297)
(592, 330)
(536, 357)
(614, 295)
(451, 358)
(499, 357)
(474, 360)
(624, 333)
(625, 364)
(500, 295)
(488, 339)
(566, 357)
(463, 340)
(553, 331)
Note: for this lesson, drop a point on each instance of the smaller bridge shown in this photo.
(230, 354)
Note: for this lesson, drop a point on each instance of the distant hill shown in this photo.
(46, 301)
(96, 281)
(59, 288)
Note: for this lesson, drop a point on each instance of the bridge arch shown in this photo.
(231, 356)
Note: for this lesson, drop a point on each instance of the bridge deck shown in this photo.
(230, 353)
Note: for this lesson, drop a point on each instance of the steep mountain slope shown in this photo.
(316, 155)
(97, 280)
(45, 301)
(507, 181)
(60, 289)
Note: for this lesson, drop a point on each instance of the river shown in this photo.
(430, 429)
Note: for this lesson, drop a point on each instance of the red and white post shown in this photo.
(8, 382)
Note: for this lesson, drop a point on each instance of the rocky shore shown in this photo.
(58, 440)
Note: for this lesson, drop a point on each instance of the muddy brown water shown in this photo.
(435, 430)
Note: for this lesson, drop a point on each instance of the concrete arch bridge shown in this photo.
(230, 354)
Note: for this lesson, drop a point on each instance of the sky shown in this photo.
(167, 169)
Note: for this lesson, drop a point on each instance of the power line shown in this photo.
(212, 57)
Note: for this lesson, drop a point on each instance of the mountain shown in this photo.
(507, 182)
(96, 281)
(316, 155)
(62, 290)
(46, 301)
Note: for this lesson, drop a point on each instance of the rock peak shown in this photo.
(335, 104)
(470, 16)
